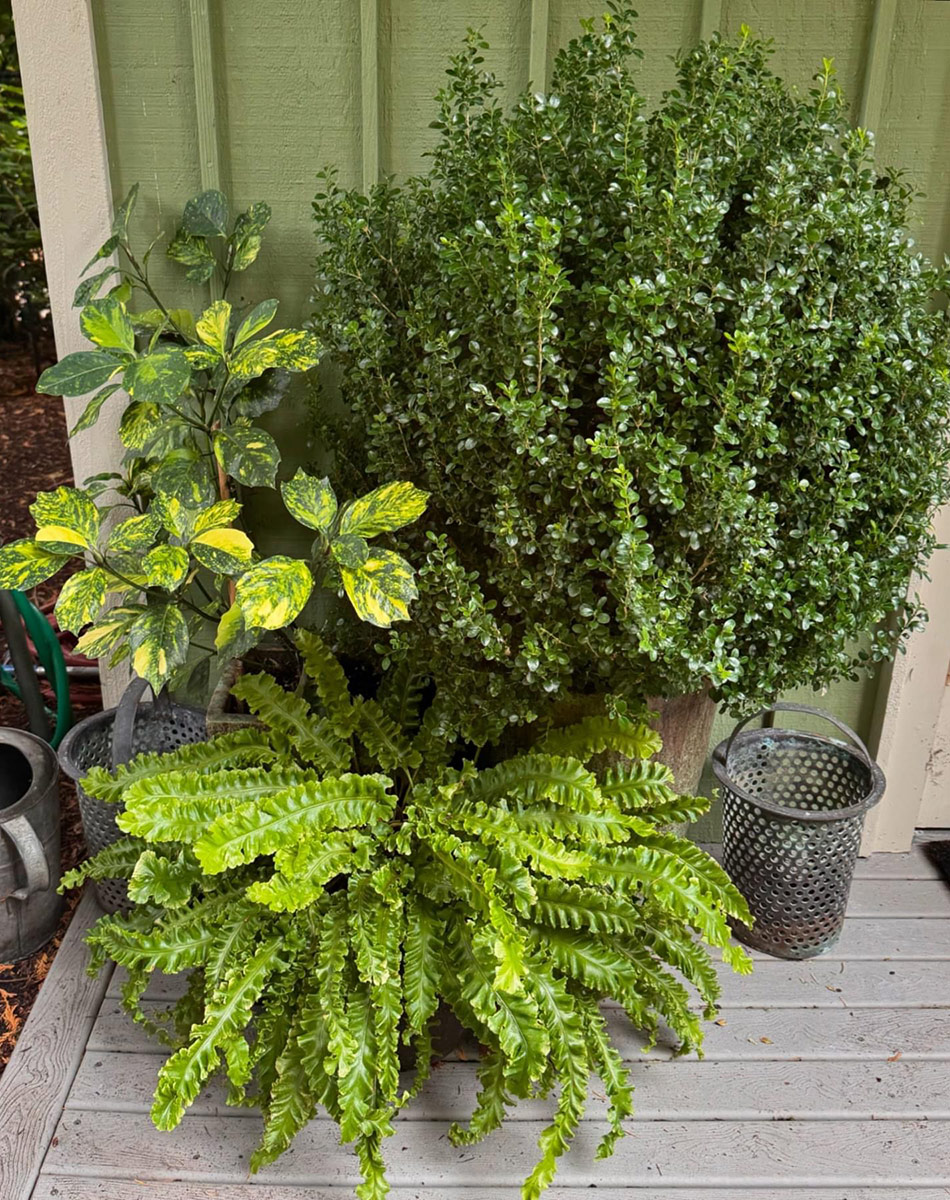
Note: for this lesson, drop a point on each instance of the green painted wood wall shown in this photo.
(258, 96)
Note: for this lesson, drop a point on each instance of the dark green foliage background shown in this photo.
(676, 381)
(23, 297)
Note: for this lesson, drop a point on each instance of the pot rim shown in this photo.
(43, 764)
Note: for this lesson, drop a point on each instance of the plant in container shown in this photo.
(677, 381)
(169, 576)
(332, 877)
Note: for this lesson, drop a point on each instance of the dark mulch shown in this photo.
(35, 458)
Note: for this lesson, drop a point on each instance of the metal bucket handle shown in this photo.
(876, 791)
(19, 829)
(125, 713)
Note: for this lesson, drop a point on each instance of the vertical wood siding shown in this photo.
(266, 94)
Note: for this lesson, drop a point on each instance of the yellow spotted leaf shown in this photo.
(388, 507)
(381, 589)
(274, 591)
(224, 551)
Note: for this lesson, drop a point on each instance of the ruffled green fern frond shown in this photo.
(401, 696)
(316, 740)
(114, 862)
(243, 748)
(536, 777)
(321, 666)
(601, 734)
(383, 738)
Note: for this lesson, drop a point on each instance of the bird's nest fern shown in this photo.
(333, 877)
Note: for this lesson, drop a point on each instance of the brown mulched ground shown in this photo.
(35, 458)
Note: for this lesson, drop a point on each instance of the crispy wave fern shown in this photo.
(330, 883)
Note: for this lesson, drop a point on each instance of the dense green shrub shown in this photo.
(330, 879)
(675, 380)
(24, 301)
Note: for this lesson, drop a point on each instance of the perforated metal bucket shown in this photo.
(110, 739)
(793, 811)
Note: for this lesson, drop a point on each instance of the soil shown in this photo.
(35, 457)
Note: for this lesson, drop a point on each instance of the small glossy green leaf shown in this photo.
(158, 378)
(68, 508)
(91, 412)
(81, 598)
(184, 476)
(120, 223)
(388, 507)
(78, 373)
(381, 589)
(256, 320)
(213, 324)
(193, 253)
(23, 565)
(310, 501)
(225, 551)
(206, 215)
(106, 323)
(247, 235)
(274, 591)
(135, 534)
(165, 566)
(159, 642)
(248, 454)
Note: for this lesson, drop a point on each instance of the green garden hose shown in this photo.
(50, 654)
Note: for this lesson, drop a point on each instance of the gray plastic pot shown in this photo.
(29, 844)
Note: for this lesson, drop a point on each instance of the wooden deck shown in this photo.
(826, 1080)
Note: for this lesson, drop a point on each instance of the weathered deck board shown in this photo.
(748, 1034)
(814, 983)
(64, 1187)
(807, 1092)
(37, 1078)
(665, 1091)
(681, 1154)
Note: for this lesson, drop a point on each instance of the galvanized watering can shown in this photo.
(29, 844)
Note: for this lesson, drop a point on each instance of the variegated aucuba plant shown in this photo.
(331, 878)
(181, 564)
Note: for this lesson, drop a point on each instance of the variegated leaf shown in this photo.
(310, 501)
(106, 323)
(274, 591)
(350, 551)
(224, 512)
(233, 636)
(159, 642)
(206, 215)
(247, 235)
(90, 414)
(381, 589)
(139, 423)
(135, 534)
(111, 628)
(388, 507)
(158, 378)
(193, 253)
(213, 324)
(248, 454)
(224, 551)
(165, 566)
(184, 476)
(66, 509)
(293, 350)
(23, 564)
(257, 319)
(79, 373)
(81, 598)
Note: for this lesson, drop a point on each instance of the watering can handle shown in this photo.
(124, 723)
(32, 855)
(788, 706)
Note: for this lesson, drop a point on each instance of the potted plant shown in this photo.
(332, 877)
(168, 575)
(677, 381)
